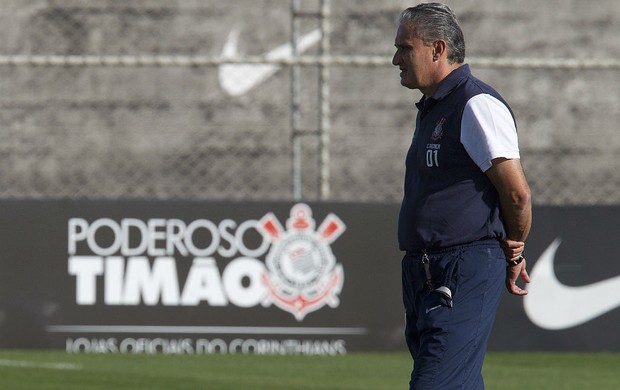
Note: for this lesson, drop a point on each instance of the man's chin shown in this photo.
(406, 84)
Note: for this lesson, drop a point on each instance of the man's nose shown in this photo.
(395, 60)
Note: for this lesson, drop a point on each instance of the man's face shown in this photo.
(413, 58)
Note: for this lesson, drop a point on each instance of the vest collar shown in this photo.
(447, 85)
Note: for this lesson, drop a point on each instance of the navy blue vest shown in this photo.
(448, 200)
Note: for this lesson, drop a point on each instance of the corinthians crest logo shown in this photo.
(438, 130)
(302, 275)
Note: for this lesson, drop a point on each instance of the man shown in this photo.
(466, 210)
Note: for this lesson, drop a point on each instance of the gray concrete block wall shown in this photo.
(173, 132)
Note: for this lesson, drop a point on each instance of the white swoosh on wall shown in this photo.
(237, 79)
(553, 305)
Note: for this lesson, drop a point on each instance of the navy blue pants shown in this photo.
(447, 337)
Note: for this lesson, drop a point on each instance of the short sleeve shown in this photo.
(488, 131)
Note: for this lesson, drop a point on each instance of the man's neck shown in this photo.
(441, 74)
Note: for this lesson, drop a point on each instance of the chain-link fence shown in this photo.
(185, 99)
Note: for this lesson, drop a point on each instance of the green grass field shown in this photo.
(505, 371)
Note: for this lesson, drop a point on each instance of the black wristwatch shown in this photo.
(512, 263)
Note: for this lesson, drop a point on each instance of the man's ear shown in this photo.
(439, 48)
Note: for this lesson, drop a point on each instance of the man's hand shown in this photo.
(512, 274)
(513, 251)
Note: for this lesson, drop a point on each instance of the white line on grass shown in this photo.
(205, 329)
(49, 366)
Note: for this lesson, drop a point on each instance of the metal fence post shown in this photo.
(295, 105)
(324, 100)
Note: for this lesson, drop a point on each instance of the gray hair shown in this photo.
(435, 21)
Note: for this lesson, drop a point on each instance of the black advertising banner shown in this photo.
(271, 278)
(199, 277)
(574, 295)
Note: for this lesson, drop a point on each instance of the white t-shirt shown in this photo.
(488, 131)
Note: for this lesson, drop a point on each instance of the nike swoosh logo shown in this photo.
(237, 79)
(553, 305)
(432, 308)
